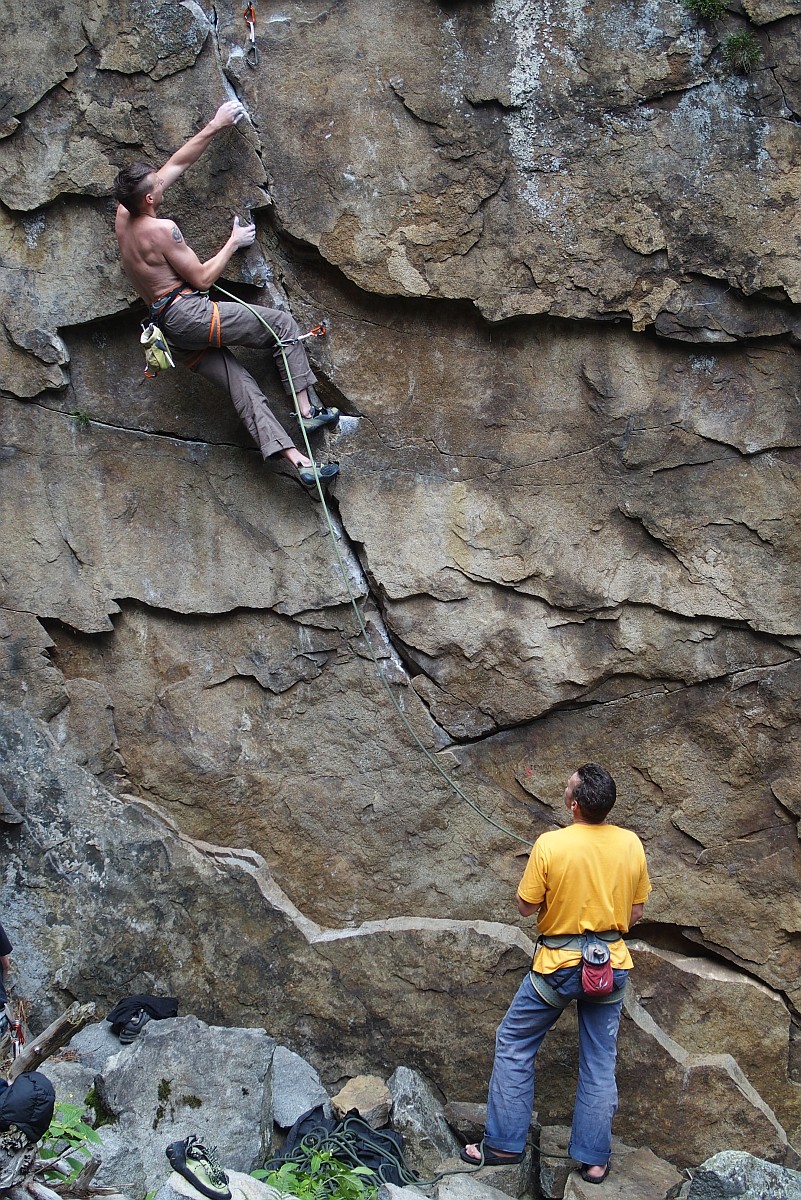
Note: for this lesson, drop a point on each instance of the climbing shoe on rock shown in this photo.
(200, 1165)
(133, 1027)
(326, 471)
(320, 417)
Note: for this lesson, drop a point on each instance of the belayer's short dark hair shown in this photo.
(596, 792)
(130, 186)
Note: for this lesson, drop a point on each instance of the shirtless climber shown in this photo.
(173, 282)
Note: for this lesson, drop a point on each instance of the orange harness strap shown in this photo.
(215, 329)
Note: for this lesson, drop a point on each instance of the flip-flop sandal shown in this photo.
(489, 1158)
(594, 1178)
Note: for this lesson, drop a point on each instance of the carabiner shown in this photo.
(252, 52)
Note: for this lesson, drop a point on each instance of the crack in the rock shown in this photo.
(742, 839)
(749, 967)
(742, 523)
(657, 690)
(669, 93)
(64, 536)
(662, 546)
(794, 816)
(156, 434)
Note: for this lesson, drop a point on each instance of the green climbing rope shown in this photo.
(349, 1142)
(437, 766)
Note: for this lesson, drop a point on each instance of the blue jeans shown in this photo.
(519, 1037)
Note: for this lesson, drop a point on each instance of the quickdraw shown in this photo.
(252, 52)
(317, 331)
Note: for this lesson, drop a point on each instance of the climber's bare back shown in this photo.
(144, 244)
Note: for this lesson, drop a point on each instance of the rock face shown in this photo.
(559, 250)
(733, 1173)
(172, 1086)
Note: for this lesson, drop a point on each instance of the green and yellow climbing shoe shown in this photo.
(320, 417)
(200, 1165)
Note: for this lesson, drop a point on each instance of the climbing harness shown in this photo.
(343, 571)
(556, 1000)
(597, 979)
(577, 941)
(252, 52)
(162, 304)
(153, 339)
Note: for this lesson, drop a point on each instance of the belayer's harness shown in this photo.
(594, 948)
(577, 941)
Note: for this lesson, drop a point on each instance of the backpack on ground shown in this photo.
(27, 1105)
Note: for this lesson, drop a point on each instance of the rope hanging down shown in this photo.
(437, 766)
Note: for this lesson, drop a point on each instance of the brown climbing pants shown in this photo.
(203, 336)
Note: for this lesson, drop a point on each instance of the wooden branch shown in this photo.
(53, 1038)
(31, 1189)
(17, 1192)
(86, 1175)
(40, 1191)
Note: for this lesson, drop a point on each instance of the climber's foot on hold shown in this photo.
(318, 418)
(303, 469)
(325, 473)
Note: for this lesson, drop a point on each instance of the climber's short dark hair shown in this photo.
(596, 792)
(130, 186)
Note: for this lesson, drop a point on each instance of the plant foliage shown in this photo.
(322, 1177)
(65, 1148)
(742, 52)
(710, 10)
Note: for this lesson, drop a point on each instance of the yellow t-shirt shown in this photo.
(584, 877)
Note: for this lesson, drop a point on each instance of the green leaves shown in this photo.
(65, 1147)
(322, 1177)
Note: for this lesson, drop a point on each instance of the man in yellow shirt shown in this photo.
(588, 878)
